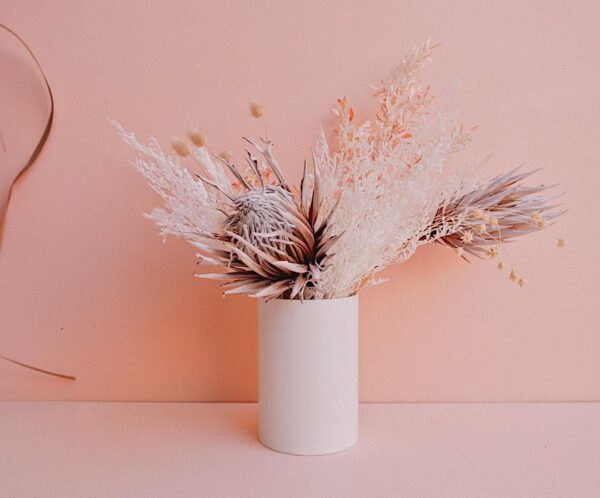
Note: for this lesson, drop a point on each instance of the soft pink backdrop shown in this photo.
(87, 287)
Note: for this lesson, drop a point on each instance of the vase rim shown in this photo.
(334, 299)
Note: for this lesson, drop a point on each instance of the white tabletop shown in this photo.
(62, 449)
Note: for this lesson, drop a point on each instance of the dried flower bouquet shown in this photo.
(390, 186)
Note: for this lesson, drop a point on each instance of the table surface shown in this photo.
(62, 449)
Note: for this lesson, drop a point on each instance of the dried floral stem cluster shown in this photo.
(272, 241)
(494, 213)
(389, 186)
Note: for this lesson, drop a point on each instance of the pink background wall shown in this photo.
(87, 287)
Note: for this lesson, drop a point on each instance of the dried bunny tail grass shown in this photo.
(497, 211)
(257, 110)
(180, 147)
(196, 137)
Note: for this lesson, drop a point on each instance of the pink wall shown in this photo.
(87, 287)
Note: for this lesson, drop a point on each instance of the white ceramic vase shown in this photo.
(308, 375)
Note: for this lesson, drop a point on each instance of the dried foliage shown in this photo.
(389, 186)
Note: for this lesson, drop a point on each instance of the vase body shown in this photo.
(308, 375)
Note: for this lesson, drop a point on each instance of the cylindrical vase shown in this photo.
(308, 375)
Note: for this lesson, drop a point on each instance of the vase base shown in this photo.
(308, 452)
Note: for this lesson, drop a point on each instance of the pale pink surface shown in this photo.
(211, 450)
(86, 286)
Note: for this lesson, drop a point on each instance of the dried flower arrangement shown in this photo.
(390, 186)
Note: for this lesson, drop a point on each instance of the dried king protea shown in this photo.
(276, 241)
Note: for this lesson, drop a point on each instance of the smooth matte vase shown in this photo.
(308, 375)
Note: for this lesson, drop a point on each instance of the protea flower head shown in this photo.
(276, 240)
